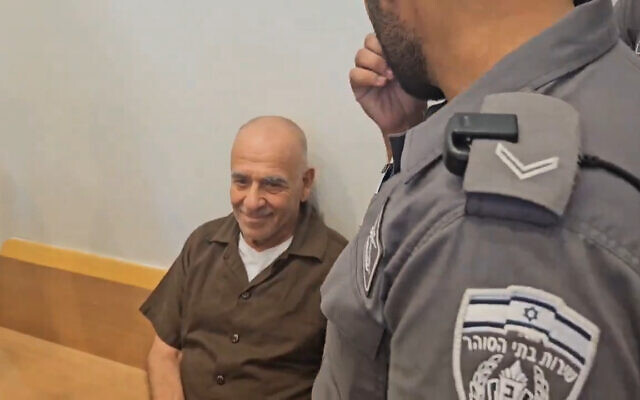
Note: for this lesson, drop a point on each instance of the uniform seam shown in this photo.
(600, 239)
(604, 242)
(448, 219)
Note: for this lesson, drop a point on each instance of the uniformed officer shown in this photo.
(501, 258)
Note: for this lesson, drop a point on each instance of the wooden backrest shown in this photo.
(90, 314)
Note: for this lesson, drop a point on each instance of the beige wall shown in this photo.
(116, 116)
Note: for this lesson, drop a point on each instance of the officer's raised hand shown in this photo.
(380, 94)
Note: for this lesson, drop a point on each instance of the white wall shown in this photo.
(116, 116)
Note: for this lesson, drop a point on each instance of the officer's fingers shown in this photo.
(364, 78)
(372, 43)
(366, 59)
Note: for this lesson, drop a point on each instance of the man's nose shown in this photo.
(254, 199)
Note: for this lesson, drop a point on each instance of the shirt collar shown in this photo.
(581, 37)
(397, 145)
(309, 239)
(227, 232)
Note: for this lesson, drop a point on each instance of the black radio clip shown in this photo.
(464, 128)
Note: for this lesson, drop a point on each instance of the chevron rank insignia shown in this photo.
(521, 170)
(521, 343)
(538, 170)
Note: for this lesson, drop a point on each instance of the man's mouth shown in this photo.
(256, 217)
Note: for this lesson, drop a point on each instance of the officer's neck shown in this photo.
(479, 39)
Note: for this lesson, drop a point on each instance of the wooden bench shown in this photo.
(67, 335)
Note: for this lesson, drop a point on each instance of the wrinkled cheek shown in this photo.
(236, 206)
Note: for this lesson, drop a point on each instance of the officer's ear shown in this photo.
(307, 183)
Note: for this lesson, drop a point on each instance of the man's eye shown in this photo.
(273, 186)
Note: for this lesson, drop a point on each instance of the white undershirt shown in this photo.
(256, 261)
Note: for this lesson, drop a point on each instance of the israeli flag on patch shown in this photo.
(535, 314)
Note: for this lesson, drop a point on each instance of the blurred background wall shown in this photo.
(117, 116)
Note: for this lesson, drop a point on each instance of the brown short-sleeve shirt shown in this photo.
(246, 340)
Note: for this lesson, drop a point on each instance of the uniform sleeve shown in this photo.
(163, 307)
(483, 308)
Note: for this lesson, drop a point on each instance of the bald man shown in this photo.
(238, 314)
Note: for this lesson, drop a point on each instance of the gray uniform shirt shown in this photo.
(520, 281)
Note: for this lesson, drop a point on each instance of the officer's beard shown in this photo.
(403, 53)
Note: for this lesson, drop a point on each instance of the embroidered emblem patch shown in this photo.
(521, 343)
(372, 253)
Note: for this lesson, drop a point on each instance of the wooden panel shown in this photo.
(34, 369)
(85, 313)
(88, 264)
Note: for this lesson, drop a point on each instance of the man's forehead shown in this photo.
(259, 164)
(268, 151)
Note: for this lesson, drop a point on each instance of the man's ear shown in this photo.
(307, 183)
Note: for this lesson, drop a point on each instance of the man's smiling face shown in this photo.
(269, 180)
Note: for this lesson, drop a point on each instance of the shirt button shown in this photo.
(246, 295)
(220, 379)
(235, 338)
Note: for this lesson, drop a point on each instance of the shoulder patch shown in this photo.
(372, 253)
(521, 343)
(539, 169)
